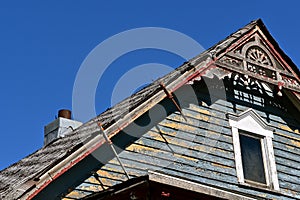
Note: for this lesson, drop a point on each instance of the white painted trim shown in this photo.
(252, 129)
(195, 187)
(252, 123)
(237, 155)
(273, 170)
(265, 160)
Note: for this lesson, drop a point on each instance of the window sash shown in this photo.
(253, 164)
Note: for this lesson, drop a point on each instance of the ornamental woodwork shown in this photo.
(254, 58)
(256, 54)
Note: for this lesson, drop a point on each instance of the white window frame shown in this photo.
(249, 121)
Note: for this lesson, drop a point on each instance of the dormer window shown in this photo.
(253, 150)
(252, 158)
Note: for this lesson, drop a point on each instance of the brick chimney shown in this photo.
(60, 126)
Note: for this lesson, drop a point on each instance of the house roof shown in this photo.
(24, 176)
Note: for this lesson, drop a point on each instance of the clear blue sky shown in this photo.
(43, 43)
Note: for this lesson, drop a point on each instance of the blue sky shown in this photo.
(43, 43)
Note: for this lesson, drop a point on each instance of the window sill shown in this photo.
(260, 188)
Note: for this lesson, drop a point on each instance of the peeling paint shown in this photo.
(215, 134)
(179, 143)
(263, 195)
(219, 165)
(93, 180)
(289, 147)
(286, 128)
(296, 143)
(112, 169)
(75, 194)
(198, 109)
(113, 161)
(201, 148)
(156, 136)
(198, 116)
(178, 126)
(93, 188)
(186, 157)
(172, 133)
(106, 174)
(287, 136)
(178, 118)
(140, 148)
(192, 116)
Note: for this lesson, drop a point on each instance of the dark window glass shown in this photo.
(252, 159)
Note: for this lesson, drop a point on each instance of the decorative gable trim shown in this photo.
(253, 55)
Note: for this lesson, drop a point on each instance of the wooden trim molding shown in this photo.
(253, 124)
(195, 187)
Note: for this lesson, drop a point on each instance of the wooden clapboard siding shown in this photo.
(200, 149)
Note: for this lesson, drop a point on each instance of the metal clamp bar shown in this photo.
(170, 96)
(112, 148)
(96, 176)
